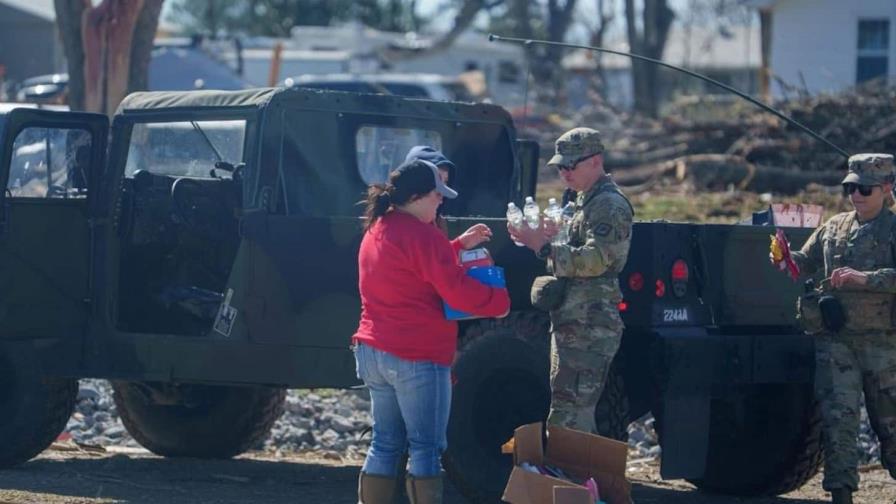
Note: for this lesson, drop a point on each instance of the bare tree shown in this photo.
(650, 41)
(108, 49)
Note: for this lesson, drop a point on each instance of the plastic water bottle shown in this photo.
(562, 236)
(553, 210)
(515, 218)
(532, 213)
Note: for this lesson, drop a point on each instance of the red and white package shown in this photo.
(475, 258)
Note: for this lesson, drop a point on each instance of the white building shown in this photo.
(353, 47)
(730, 56)
(827, 45)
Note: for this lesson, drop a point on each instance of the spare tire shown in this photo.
(35, 408)
(763, 440)
(209, 421)
(501, 381)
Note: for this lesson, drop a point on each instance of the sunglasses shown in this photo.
(571, 167)
(864, 190)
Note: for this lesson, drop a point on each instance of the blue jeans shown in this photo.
(410, 402)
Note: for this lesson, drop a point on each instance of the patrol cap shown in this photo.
(419, 177)
(576, 144)
(870, 169)
(431, 154)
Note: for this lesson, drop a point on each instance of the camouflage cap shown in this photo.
(870, 169)
(576, 144)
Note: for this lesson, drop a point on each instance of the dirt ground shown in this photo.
(134, 476)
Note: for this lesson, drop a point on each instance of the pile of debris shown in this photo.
(715, 143)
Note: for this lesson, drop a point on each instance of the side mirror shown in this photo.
(528, 152)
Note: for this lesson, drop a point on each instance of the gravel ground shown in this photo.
(66, 474)
(328, 422)
(312, 455)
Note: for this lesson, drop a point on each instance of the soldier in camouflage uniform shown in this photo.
(856, 251)
(586, 328)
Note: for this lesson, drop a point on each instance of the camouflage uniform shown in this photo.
(861, 357)
(586, 328)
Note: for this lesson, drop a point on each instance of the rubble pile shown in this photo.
(735, 141)
(328, 423)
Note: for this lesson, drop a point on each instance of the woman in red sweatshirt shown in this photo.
(404, 346)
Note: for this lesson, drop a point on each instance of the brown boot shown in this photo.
(424, 490)
(373, 489)
(841, 496)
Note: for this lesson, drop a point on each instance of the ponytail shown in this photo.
(379, 200)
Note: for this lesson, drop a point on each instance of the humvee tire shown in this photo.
(35, 408)
(611, 415)
(767, 443)
(217, 422)
(501, 381)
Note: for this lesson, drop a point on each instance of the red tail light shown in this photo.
(680, 271)
(623, 306)
(680, 275)
(660, 288)
(635, 282)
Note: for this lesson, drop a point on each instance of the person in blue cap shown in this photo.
(471, 237)
(434, 156)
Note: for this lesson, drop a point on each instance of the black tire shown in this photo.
(35, 408)
(611, 415)
(766, 443)
(221, 421)
(500, 382)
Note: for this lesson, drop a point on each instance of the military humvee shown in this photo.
(200, 253)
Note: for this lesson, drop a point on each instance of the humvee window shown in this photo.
(185, 148)
(380, 149)
(49, 163)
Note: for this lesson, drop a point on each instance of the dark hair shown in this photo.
(410, 181)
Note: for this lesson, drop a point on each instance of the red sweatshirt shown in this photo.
(406, 268)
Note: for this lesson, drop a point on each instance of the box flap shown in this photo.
(585, 454)
(527, 444)
(525, 487)
(572, 495)
(613, 489)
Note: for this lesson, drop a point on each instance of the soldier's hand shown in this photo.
(550, 228)
(841, 277)
(532, 238)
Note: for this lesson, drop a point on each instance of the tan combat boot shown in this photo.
(841, 496)
(373, 489)
(424, 490)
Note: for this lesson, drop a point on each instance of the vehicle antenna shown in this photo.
(528, 42)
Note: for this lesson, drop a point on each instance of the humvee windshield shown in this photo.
(185, 148)
(49, 163)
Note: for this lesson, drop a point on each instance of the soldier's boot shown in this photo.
(424, 490)
(373, 489)
(841, 496)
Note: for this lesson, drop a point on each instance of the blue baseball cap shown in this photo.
(427, 153)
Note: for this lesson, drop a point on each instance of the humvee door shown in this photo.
(48, 166)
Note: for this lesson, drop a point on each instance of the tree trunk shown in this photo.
(68, 19)
(656, 19)
(765, 72)
(464, 18)
(108, 32)
(141, 51)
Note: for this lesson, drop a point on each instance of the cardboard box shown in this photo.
(579, 455)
